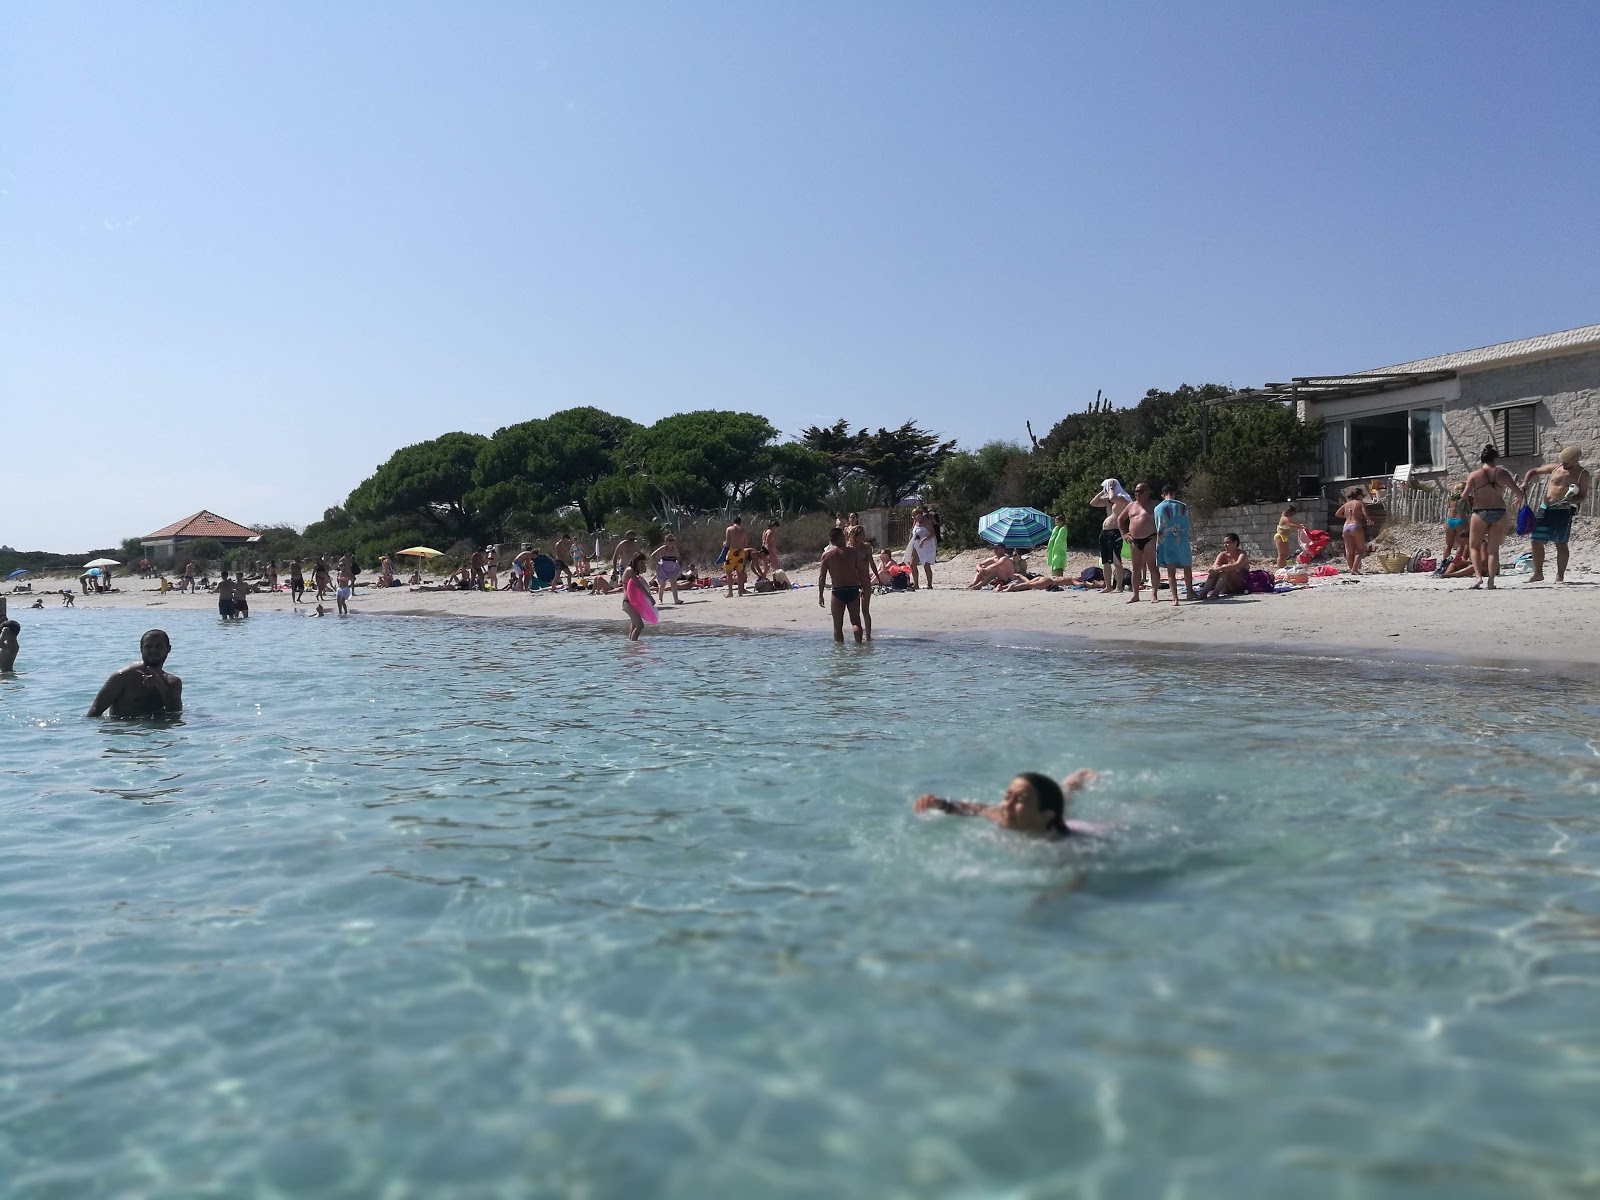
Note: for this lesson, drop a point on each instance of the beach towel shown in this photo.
(1055, 554)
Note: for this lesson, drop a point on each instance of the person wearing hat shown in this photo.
(1566, 486)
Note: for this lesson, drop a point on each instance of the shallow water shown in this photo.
(462, 909)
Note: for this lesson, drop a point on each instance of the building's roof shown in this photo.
(1546, 345)
(202, 524)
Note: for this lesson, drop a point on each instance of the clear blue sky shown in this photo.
(247, 250)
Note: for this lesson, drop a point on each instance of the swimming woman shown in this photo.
(1033, 804)
(1484, 491)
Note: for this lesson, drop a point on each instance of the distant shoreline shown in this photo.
(1403, 618)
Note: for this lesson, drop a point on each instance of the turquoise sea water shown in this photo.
(447, 908)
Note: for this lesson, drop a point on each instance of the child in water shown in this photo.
(636, 570)
(1033, 804)
(8, 644)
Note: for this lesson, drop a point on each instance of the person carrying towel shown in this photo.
(1114, 499)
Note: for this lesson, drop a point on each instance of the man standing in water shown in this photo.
(1564, 492)
(1113, 499)
(736, 545)
(143, 689)
(845, 568)
(1138, 525)
(8, 642)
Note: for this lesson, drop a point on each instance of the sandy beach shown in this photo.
(1404, 615)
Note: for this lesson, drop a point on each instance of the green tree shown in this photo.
(560, 461)
(896, 462)
(797, 479)
(202, 550)
(971, 483)
(429, 479)
(698, 461)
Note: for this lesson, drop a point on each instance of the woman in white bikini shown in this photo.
(1353, 512)
(1484, 490)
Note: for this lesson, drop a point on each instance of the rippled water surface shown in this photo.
(460, 909)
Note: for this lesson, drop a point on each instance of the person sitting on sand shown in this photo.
(1034, 804)
(1459, 564)
(143, 689)
(599, 585)
(8, 644)
(1227, 577)
(999, 567)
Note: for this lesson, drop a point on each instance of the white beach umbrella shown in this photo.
(102, 562)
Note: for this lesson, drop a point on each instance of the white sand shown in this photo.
(1400, 614)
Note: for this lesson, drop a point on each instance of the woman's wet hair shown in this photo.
(1047, 792)
(1489, 455)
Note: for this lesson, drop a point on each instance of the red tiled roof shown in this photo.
(202, 524)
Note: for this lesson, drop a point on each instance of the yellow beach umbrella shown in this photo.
(421, 552)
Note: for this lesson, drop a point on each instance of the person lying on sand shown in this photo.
(999, 568)
(1037, 584)
(1033, 804)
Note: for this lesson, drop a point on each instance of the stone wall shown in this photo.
(1567, 391)
(1255, 524)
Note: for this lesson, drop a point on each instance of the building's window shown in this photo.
(1427, 439)
(1373, 445)
(1335, 457)
(1516, 430)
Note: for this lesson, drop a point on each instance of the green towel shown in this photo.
(1055, 553)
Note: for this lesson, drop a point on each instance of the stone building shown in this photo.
(1429, 419)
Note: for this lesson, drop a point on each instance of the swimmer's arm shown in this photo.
(107, 696)
(956, 808)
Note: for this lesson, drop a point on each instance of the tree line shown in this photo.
(587, 470)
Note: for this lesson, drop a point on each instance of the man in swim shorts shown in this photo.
(735, 542)
(1113, 499)
(1138, 525)
(8, 644)
(144, 689)
(563, 557)
(225, 596)
(845, 568)
(1566, 486)
(623, 554)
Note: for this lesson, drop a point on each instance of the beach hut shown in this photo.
(167, 545)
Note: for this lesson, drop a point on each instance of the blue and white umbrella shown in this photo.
(1022, 527)
(18, 573)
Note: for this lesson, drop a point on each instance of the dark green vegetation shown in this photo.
(588, 471)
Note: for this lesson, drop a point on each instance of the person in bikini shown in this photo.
(1227, 577)
(844, 567)
(1353, 514)
(769, 543)
(856, 542)
(736, 545)
(1457, 513)
(1484, 491)
(319, 576)
(1565, 489)
(1281, 535)
(144, 689)
(1113, 499)
(665, 558)
(1138, 525)
(1034, 804)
